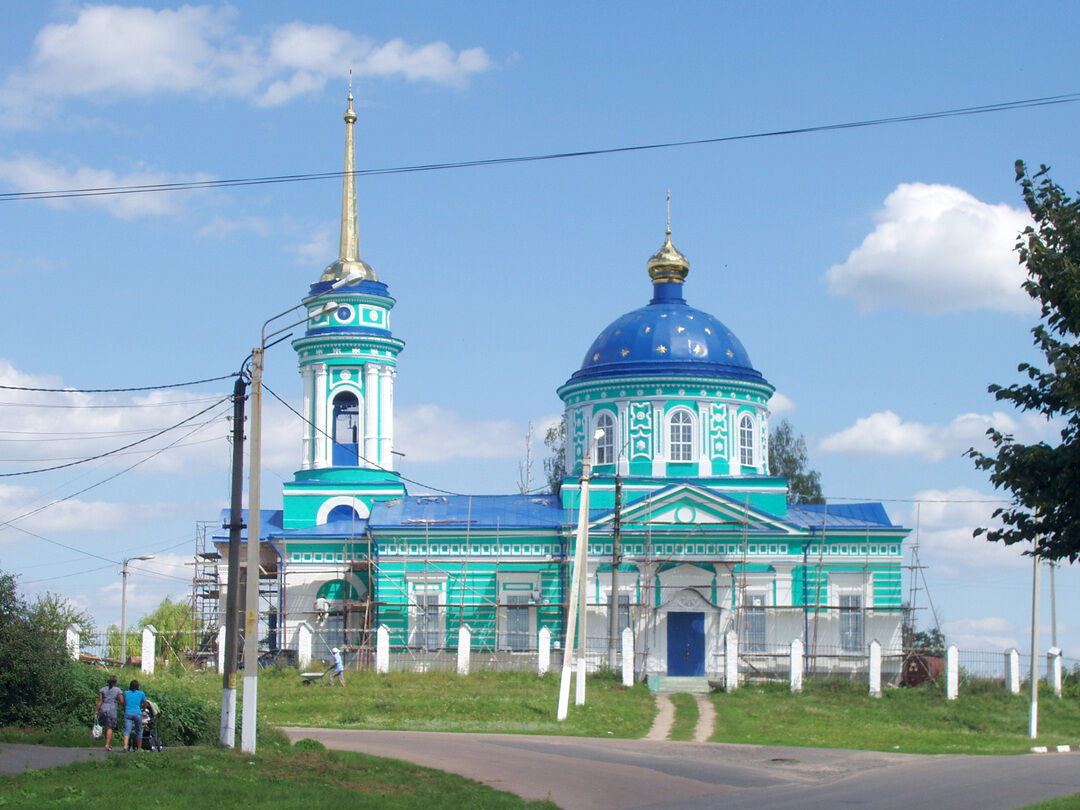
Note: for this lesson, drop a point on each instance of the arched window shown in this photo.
(605, 445)
(681, 434)
(342, 512)
(746, 440)
(346, 429)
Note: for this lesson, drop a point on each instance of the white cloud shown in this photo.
(989, 633)
(936, 248)
(778, 403)
(319, 245)
(111, 51)
(222, 228)
(886, 434)
(33, 174)
(431, 433)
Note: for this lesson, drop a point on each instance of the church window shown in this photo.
(754, 613)
(605, 445)
(346, 429)
(746, 440)
(517, 622)
(428, 628)
(681, 434)
(851, 623)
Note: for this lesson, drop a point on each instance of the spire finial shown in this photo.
(668, 264)
(669, 212)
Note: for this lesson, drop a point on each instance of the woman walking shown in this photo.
(105, 711)
(134, 698)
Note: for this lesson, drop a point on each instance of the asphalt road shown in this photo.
(608, 774)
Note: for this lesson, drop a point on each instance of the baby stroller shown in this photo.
(150, 739)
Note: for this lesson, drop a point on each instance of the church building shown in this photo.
(685, 521)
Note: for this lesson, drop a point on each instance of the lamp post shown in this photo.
(123, 606)
(577, 585)
(251, 593)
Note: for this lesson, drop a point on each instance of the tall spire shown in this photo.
(668, 264)
(349, 250)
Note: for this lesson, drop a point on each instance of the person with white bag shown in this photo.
(105, 713)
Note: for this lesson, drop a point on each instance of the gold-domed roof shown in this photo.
(342, 268)
(668, 264)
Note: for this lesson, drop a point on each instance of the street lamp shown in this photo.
(577, 591)
(123, 607)
(251, 593)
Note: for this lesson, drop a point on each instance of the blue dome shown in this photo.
(666, 337)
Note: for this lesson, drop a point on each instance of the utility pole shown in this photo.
(1033, 712)
(232, 597)
(616, 558)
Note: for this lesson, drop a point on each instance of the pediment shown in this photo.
(689, 505)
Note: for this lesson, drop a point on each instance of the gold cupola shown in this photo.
(668, 264)
(349, 260)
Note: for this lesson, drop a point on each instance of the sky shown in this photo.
(869, 271)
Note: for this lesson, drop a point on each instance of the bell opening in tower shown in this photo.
(346, 430)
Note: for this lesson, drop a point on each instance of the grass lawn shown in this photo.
(985, 719)
(306, 777)
(686, 717)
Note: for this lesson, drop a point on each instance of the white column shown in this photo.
(660, 442)
(382, 649)
(627, 657)
(952, 672)
(386, 417)
(543, 649)
(304, 635)
(221, 650)
(1053, 669)
(149, 636)
(796, 666)
(71, 640)
(371, 414)
(704, 455)
(464, 648)
(875, 669)
(308, 378)
(322, 443)
(1012, 671)
(731, 661)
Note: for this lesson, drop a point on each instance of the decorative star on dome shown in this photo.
(618, 332)
(691, 317)
(661, 349)
(708, 331)
(730, 353)
(680, 329)
(648, 329)
(596, 356)
(624, 352)
(664, 315)
(697, 348)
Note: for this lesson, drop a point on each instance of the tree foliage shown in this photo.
(1043, 478)
(55, 613)
(555, 464)
(788, 457)
(174, 622)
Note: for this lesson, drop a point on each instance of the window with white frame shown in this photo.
(754, 615)
(746, 440)
(605, 445)
(681, 436)
(851, 622)
(517, 635)
(624, 612)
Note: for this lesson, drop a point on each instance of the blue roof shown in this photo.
(839, 515)
(665, 337)
(475, 511)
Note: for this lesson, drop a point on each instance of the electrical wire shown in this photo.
(117, 390)
(79, 407)
(100, 191)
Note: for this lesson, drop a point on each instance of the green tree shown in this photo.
(174, 622)
(555, 464)
(1042, 478)
(788, 457)
(55, 613)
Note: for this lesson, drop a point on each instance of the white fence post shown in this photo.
(875, 669)
(543, 652)
(382, 649)
(579, 682)
(952, 672)
(796, 665)
(464, 648)
(1012, 671)
(71, 639)
(221, 650)
(627, 657)
(1053, 668)
(149, 637)
(304, 636)
(731, 661)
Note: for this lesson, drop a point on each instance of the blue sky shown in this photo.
(869, 272)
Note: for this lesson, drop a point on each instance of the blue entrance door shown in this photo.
(686, 643)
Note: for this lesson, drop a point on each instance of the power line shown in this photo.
(116, 390)
(79, 407)
(101, 191)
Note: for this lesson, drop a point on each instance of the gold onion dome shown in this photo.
(668, 264)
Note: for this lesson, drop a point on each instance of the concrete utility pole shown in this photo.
(1033, 714)
(232, 592)
(616, 558)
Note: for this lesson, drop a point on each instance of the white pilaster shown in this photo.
(149, 637)
(952, 672)
(1053, 669)
(386, 417)
(627, 658)
(543, 663)
(321, 391)
(308, 378)
(382, 649)
(796, 667)
(71, 640)
(660, 443)
(1012, 671)
(371, 413)
(464, 648)
(731, 661)
(875, 669)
